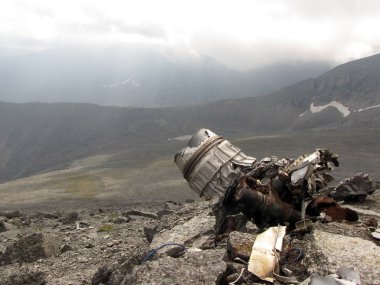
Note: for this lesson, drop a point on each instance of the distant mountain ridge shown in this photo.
(36, 137)
(138, 76)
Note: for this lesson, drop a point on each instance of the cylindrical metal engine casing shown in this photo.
(210, 163)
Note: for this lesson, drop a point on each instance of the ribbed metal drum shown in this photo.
(210, 163)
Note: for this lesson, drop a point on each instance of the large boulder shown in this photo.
(69, 218)
(355, 188)
(31, 248)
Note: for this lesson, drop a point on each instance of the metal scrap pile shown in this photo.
(268, 191)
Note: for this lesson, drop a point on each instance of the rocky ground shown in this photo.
(111, 246)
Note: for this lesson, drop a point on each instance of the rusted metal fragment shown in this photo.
(269, 191)
(331, 209)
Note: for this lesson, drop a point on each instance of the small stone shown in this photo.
(141, 214)
(149, 232)
(65, 247)
(164, 212)
(84, 223)
(89, 245)
(121, 220)
(46, 215)
(106, 237)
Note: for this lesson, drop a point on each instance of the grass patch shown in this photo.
(105, 228)
(82, 185)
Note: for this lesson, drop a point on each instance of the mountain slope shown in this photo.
(37, 137)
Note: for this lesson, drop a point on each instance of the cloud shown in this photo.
(242, 34)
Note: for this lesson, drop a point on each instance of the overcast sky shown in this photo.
(240, 33)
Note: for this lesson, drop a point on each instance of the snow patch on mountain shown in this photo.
(339, 106)
(301, 115)
(370, 107)
(130, 81)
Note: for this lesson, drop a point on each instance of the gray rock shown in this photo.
(141, 214)
(355, 188)
(65, 247)
(12, 215)
(149, 232)
(46, 215)
(2, 227)
(83, 224)
(9, 226)
(89, 245)
(115, 273)
(195, 267)
(69, 218)
(121, 220)
(25, 277)
(164, 212)
(103, 274)
(31, 248)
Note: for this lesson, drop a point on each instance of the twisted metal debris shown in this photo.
(268, 191)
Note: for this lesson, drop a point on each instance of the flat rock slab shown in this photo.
(188, 232)
(141, 214)
(348, 251)
(195, 267)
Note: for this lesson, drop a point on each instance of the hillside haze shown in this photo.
(138, 76)
(39, 137)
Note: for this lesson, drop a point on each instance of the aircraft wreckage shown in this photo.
(269, 191)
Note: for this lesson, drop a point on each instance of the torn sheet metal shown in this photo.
(264, 256)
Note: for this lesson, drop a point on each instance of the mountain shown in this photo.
(38, 137)
(138, 76)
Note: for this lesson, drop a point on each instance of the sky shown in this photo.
(243, 34)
